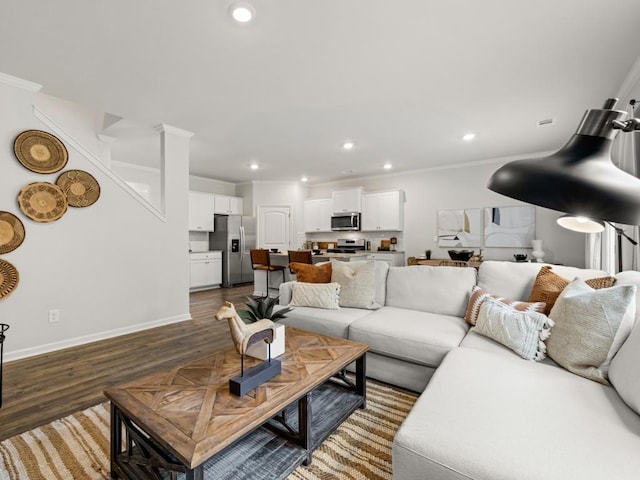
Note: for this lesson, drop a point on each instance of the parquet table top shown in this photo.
(190, 411)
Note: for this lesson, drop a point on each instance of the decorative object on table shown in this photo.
(520, 257)
(244, 335)
(477, 258)
(80, 187)
(580, 178)
(42, 201)
(262, 308)
(40, 151)
(3, 328)
(460, 255)
(460, 228)
(427, 254)
(9, 278)
(11, 232)
(509, 226)
(537, 253)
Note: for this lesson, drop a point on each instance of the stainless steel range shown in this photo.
(346, 245)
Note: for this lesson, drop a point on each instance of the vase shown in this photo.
(537, 252)
(261, 350)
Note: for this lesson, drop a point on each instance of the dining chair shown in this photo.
(261, 261)
(300, 256)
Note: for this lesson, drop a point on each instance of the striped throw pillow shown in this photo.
(478, 296)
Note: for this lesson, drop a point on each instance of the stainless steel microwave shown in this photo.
(341, 222)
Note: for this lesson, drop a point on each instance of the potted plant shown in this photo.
(257, 309)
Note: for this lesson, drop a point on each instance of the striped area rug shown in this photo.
(77, 446)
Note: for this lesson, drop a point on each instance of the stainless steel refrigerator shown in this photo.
(235, 235)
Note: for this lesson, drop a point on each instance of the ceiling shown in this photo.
(403, 79)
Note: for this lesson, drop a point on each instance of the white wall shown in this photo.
(109, 268)
(428, 191)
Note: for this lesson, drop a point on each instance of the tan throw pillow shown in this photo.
(478, 296)
(523, 332)
(591, 325)
(311, 273)
(549, 285)
(319, 295)
(357, 284)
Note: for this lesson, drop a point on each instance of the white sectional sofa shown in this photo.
(484, 412)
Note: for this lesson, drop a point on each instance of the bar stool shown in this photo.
(260, 260)
(299, 256)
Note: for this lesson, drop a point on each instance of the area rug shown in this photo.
(77, 446)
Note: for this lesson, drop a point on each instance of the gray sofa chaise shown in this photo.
(484, 412)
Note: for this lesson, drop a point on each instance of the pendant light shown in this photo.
(580, 178)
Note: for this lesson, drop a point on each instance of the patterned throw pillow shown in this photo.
(319, 295)
(311, 273)
(357, 283)
(523, 332)
(478, 296)
(549, 285)
(591, 325)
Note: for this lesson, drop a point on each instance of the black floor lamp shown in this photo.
(3, 328)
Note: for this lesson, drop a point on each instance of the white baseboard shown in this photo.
(74, 342)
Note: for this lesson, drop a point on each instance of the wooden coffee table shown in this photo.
(185, 419)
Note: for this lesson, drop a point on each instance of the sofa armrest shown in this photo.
(286, 290)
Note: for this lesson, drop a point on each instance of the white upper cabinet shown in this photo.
(226, 205)
(317, 215)
(383, 211)
(201, 209)
(347, 200)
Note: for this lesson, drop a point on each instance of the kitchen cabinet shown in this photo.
(201, 209)
(383, 211)
(206, 269)
(317, 215)
(347, 200)
(226, 205)
(393, 259)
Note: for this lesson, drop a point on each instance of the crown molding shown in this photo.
(20, 83)
(164, 128)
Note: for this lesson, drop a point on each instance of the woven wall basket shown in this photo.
(80, 188)
(11, 232)
(9, 278)
(42, 201)
(40, 151)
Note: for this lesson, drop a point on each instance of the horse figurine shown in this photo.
(244, 335)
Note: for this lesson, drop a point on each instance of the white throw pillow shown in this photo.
(524, 332)
(591, 325)
(623, 371)
(319, 295)
(357, 283)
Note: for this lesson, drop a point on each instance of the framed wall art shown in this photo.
(460, 228)
(509, 226)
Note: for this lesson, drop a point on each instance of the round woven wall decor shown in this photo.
(11, 232)
(42, 201)
(9, 278)
(40, 151)
(80, 188)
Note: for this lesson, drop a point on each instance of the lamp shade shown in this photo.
(580, 224)
(580, 178)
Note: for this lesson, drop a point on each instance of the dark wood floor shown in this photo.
(43, 388)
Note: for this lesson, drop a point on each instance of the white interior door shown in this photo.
(273, 227)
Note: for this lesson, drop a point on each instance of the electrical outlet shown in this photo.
(54, 316)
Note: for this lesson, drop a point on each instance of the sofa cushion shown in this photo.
(357, 284)
(320, 295)
(484, 416)
(515, 280)
(312, 273)
(521, 331)
(418, 337)
(382, 270)
(327, 322)
(442, 290)
(624, 371)
(590, 327)
(549, 285)
(478, 296)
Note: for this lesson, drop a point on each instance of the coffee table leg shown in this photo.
(304, 414)
(361, 374)
(195, 474)
(116, 438)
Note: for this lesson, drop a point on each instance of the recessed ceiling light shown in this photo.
(469, 136)
(348, 145)
(254, 166)
(304, 179)
(242, 12)
(387, 166)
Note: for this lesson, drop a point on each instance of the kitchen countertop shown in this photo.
(325, 254)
